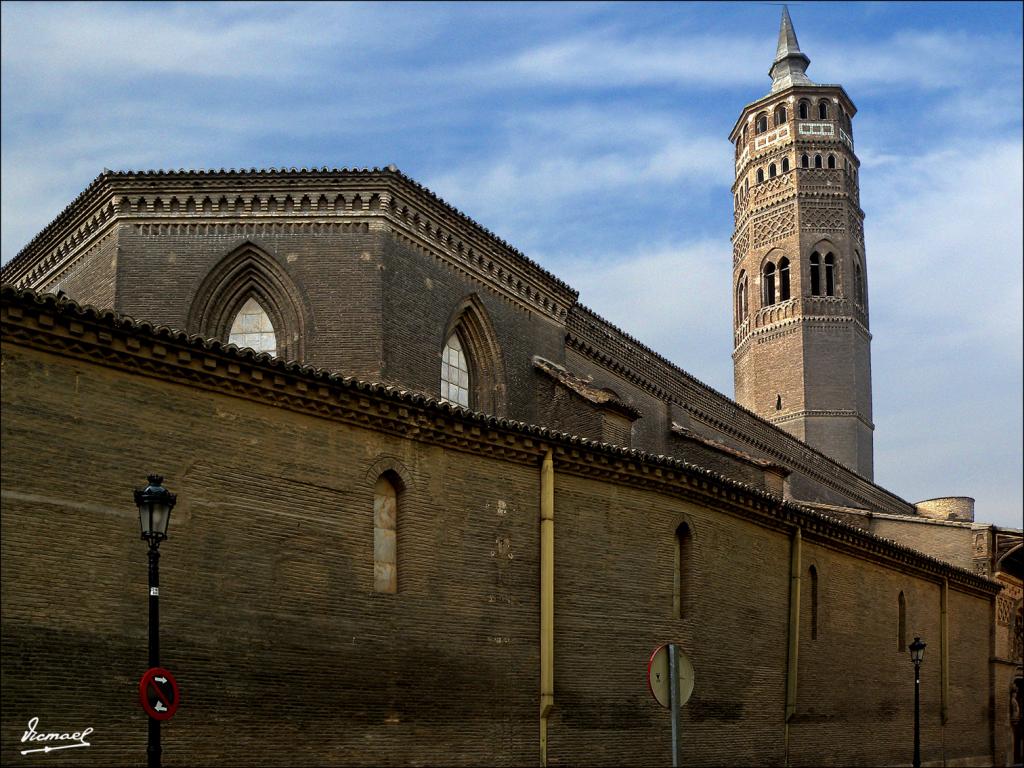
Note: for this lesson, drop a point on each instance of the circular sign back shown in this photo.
(158, 693)
(658, 677)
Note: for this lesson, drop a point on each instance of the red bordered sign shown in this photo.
(158, 693)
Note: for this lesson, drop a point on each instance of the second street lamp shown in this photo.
(155, 504)
(916, 649)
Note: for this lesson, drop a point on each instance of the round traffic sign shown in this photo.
(658, 676)
(158, 693)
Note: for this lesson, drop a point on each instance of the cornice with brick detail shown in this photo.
(410, 209)
(62, 327)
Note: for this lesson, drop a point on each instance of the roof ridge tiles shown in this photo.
(10, 294)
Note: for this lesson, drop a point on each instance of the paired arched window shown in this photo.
(741, 298)
(831, 161)
(901, 627)
(761, 123)
(785, 165)
(812, 574)
(823, 110)
(768, 284)
(772, 172)
(817, 161)
(385, 535)
(683, 571)
(805, 109)
(760, 175)
(783, 279)
(805, 161)
(252, 328)
(780, 114)
(816, 263)
(455, 384)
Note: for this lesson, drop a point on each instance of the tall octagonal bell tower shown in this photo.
(801, 356)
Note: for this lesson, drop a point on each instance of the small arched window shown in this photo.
(783, 279)
(772, 172)
(785, 165)
(761, 123)
(760, 175)
(780, 114)
(746, 185)
(385, 536)
(805, 161)
(768, 285)
(252, 328)
(831, 161)
(812, 573)
(830, 275)
(901, 627)
(823, 110)
(683, 572)
(741, 298)
(817, 161)
(805, 110)
(858, 284)
(455, 372)
(815, 274)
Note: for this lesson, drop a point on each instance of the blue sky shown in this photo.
(594, 138)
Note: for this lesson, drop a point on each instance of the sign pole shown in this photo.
(153, 748)
(673, 683)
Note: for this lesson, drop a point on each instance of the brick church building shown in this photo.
(433, 510)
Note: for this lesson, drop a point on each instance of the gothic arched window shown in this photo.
(385, 536)
(252, 328)
(683, 571)
(760, 175)
(817, 161)
(741, 298)
(823, 110)
(783, 279)
(785, 165)
(805, 109)
(831, 161)
(772, 172)
(830, 275)
(455, 372)
(858, 284)
(815, 274)
(761, 123)
(768, 285)
(805, 161)
(780, 114)
(812, 572)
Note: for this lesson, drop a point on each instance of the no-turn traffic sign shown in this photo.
(158, 693)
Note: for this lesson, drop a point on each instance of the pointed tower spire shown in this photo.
(790, 62)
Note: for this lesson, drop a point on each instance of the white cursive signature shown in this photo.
(32, 735)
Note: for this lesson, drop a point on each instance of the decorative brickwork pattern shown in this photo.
(774, 226)
(823, 217)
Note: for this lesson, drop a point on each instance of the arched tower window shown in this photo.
(761, 123)
(815, 274)
(772, 171)
(830, 275)
(760, 175)
(455, 372)
(683, 571)
(831, 161)
(385, 534)
(785, 165)
(858, 284)
(805, 109)
(805, 161)
(817, 161)
(812, 573)
(783, 279)
(823, 110)
(768, 285)
(780, 114)
(741, 298)
(252, 328)
(901, 628)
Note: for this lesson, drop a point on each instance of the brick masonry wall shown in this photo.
(93, 278)
(271, 624)
(952, 543)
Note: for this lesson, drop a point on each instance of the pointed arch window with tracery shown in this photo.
(252, 328)
(455, 378)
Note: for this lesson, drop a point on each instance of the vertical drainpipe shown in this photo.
(794, 635)
(944, 649)
(547, 599)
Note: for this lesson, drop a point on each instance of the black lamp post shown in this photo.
(155, 504)
(916, 655)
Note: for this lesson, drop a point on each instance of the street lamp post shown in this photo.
(155, 504)
(916, 655)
